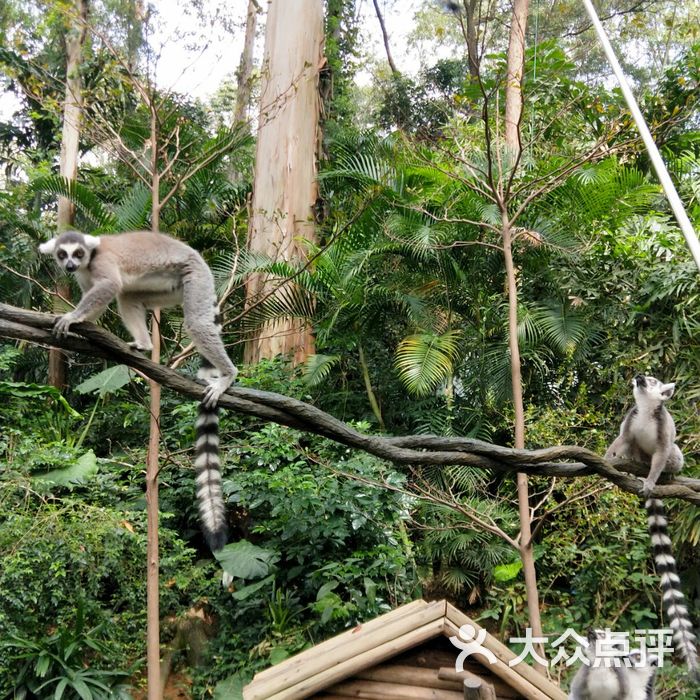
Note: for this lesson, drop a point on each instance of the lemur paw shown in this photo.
(63, 324)
(647, 487)
(140, 347)
(215, 388)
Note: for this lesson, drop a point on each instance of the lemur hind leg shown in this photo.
(202, 323)
(133, 315)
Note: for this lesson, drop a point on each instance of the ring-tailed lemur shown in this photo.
(642, 674)
(613, 674)
(647, 435)
(145, 270)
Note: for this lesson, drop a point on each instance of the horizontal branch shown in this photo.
(560, 461)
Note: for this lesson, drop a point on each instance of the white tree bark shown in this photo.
(245, 67)
(76, 28)
(285, 189)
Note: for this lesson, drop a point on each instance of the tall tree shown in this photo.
(513, 115)
(74, 38)
(284, 188)
(244, 74)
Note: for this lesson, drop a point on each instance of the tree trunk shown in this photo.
(385, 38)
(76, 28)
(284, 188)
(514, 74)
(155, 690)
(513, 113)
(245, 67)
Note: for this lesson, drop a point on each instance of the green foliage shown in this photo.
(55, 666)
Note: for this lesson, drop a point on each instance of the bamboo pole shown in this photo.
(409, 675)
(390, 691)
(152, 593)
(336, 672)
(657, 161)
(503, 690)
(339, 641)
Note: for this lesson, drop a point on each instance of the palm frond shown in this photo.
(289, 301)
(317, 368)
(134, 211)
(88, 204)
(425, 360)
(563, 326)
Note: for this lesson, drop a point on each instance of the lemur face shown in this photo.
(650, 388)
(71, 250)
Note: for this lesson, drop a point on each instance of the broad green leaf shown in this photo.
(106, 382)
(245, 560)
(24, 390)
(79, 473)
(247, 591)
(230, 688)
(507, 572)
(278, 654)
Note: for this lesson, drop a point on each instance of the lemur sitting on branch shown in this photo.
(647, 435)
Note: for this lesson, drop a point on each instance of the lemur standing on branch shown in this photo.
(647, 435)
(145, 270)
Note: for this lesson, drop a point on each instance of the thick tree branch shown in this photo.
(562, 461)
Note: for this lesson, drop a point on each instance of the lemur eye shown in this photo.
(79, 253)
(61, 255)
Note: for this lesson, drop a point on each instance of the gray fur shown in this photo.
(144, 270)
(642, 675)
(648, 433)
(604, 677)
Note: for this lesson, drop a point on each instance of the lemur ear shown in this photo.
(667, 390)
(48, 247)
(91, 242)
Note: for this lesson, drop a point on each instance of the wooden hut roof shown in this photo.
(370, 643)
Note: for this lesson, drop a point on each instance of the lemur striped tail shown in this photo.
(212, 511)
(673, 600)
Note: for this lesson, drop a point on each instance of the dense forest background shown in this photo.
(402, 297)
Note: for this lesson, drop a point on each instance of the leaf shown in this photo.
(424, 360)
(106, 382)
(82, 689)
(24, 390)
(132, 213)
(278, 654)
(245, 560)
(247, 591)
(325, 589)
(79, 473)
(90, 206)
(317, 367)
(60, 689)
(230, 688)
(507, 572)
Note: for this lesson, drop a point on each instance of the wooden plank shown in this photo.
(550, 689)
(501, 687)
(343, 638)
(431, 658)
(409, 675)
(313, 684)
(503, 690)
(501, 669)
(304, 666)
(391, 691)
